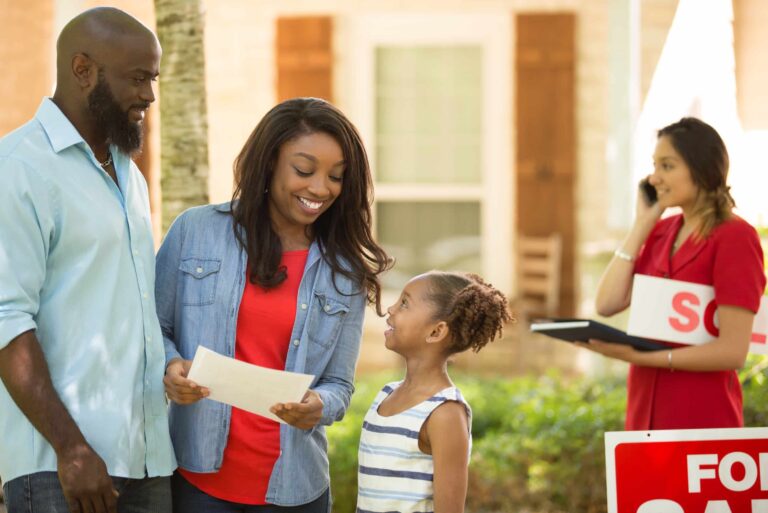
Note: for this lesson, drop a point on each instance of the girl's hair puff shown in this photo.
(474, 310)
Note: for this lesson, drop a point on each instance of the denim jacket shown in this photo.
(200, 281)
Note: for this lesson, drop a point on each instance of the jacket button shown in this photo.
(199, 270)
(327, 308)
(296, 342)
(303, 306)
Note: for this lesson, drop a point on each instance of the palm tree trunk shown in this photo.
(183, 113)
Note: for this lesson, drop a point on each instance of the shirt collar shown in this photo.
(225, 208)
(60, 130)
(685, 254)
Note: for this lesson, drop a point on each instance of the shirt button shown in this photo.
(135, 251)
(144, 295)
(296, 342)
(303, 306)
(149, 339)
(199, 270)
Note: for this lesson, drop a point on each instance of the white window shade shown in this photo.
(429, 235)
(428, 114)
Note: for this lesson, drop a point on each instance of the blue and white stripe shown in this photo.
(394, 476)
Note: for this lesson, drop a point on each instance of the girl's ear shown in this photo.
(439, 333)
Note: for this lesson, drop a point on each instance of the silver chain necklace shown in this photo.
(106, 162)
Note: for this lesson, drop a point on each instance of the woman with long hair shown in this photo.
(278, 277)
(688, 386)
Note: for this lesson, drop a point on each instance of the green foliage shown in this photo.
(538, 443)
(533, 438)
(754, 381)
(549, 437)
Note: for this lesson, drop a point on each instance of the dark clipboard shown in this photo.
(573, 330)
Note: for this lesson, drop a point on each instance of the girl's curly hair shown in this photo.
(474, 311)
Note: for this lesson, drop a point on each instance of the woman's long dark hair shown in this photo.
(704, 152)
(343, 231)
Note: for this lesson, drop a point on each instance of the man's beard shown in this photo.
(113, 121)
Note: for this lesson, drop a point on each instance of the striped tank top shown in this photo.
(394, 476)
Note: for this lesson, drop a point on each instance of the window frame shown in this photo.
(355, 80)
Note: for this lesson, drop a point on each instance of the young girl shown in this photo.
(416, 438)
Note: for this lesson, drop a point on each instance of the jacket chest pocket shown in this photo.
(198, 281)
(326, 319)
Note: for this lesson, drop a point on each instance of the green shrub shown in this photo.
(754, 380)
(548, 453)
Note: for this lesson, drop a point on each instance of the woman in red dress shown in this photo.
(688, 387)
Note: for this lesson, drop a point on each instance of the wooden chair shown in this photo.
(538, 275)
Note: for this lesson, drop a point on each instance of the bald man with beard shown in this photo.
(83, 419)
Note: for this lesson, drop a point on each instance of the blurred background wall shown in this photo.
(485, 120)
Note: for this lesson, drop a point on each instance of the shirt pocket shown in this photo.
(199, 277)
(326, 319)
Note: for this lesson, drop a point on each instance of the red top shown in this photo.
(731, 260)
(264, 325)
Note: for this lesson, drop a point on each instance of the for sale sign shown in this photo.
(678, 311)
(687, 471)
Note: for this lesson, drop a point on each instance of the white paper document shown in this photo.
(247, 386)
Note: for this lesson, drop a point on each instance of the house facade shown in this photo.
(484, 119)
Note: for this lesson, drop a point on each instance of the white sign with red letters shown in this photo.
(687, 471)
(678, 311)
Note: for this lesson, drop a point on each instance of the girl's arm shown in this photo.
(727, 352)
(447, 431)
(615, 288)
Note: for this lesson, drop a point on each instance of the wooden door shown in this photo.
(304, 57)
(546, 136)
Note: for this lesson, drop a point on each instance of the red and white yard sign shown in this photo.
(678, 311)
(687, 471)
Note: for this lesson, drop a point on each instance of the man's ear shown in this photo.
(439, 333)
(85, 71)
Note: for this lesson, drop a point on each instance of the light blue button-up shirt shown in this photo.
(77, 266)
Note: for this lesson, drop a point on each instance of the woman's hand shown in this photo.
(611, 350)
(178, 388)
(614, 291)
(303, 415)
(647, 213)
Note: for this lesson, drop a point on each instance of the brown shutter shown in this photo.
(546, 136)
(304, 57)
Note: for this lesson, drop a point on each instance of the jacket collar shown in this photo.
(667, 265)
(315, 252)
(224, 208)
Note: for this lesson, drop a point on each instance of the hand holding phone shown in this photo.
(649, 192)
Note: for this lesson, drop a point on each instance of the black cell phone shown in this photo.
(649, 191)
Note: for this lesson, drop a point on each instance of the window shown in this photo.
(431, 96)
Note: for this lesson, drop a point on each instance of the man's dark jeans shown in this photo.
(41, 491)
